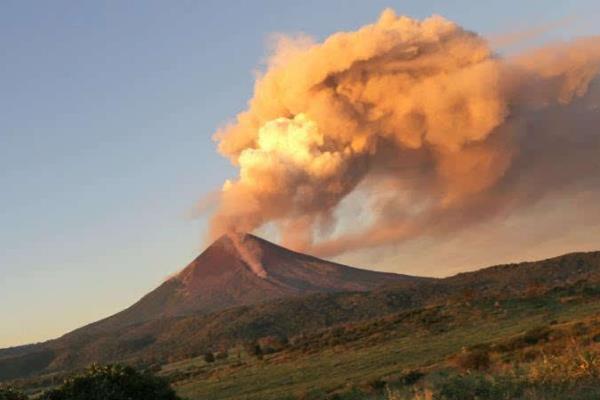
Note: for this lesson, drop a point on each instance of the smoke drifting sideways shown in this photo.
(422, 118)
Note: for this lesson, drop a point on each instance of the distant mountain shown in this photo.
(243, 269)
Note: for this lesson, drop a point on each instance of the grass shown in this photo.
(426, 339)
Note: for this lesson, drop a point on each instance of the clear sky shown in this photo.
(106, 114)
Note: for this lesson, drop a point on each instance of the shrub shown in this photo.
(113, 382)
(476, 359)
(209, 357)
(377, 384)
(271, 344)
(536, 335)
(579, 329)
(257, 351)
(411, 377)
(253, 349)
(478, 387)
(10, 393)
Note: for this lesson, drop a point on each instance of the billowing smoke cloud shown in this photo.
(422, 118)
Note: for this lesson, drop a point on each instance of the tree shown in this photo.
(9, 393)
(113, 382)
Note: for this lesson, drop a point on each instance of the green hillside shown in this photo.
(363, 357)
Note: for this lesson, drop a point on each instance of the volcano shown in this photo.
(243, 269)
(243, 288)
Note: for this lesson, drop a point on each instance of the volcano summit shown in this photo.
(243, 269)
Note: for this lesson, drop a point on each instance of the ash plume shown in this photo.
(422, 118)
(249, 251)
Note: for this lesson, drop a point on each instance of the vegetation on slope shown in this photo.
(112, 382)
(368, 357)
(481, 348)
(485, 332)
(10, 393)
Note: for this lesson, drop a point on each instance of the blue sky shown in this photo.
(107, 110)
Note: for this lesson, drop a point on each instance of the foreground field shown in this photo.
(515, 337)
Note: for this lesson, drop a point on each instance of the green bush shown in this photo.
(113, 382)
(9, 393)
(478, 387)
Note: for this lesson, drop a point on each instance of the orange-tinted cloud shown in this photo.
(435, 128)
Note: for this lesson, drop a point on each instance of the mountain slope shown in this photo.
(511, 279)
(181, 336)
(240, 270)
